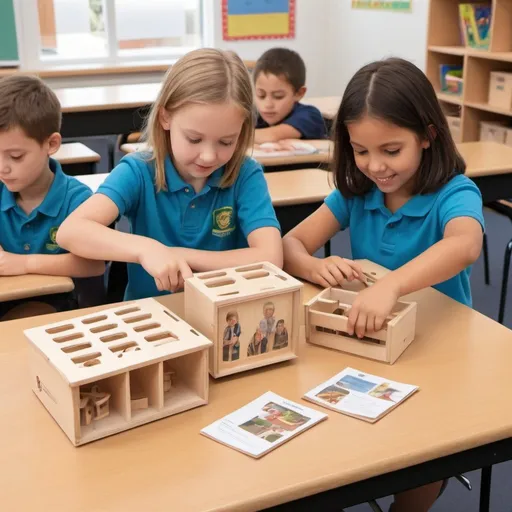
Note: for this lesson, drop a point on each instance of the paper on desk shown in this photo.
(282, 149)
(360, 394)
(263, 424)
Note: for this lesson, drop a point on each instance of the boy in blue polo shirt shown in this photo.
(35, 195)
(279, 79)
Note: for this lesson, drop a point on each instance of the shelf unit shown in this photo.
(444, 47)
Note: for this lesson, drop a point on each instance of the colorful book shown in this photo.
(475, 25)
(262, 425)
(360, 395)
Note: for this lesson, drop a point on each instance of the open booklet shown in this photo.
(359, 394)
(263, 424)
(283, 148)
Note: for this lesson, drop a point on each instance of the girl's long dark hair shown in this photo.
(395, 91)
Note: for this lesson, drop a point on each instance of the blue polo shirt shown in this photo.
(393, 239)
(35, 233)
(215, 219)
(306, 119)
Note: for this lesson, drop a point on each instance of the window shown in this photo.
(102, 31)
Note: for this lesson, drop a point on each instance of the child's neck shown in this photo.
(31, 197)
(395, 200)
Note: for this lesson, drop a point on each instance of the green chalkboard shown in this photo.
(8, 42)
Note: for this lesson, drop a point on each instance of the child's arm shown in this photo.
(459, 248)
(305, 239)
(67, 265)
(264, 245)
(275, 133)
(86, 234)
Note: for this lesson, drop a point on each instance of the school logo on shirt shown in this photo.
(52, 244)
(223, 221)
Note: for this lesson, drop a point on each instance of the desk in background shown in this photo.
(30, 285)
(450, 426)
(489, 165)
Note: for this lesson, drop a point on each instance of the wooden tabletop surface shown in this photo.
(31, 285)
(75, 153)
(486, 158)
(458, 358)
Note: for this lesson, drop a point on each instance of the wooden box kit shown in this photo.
(327, 318)
(250, 313)
(110, 371)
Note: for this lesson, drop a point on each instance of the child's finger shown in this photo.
(336, 273)
(347, 270)
(159, 286)
(185, 269)
(352, 319)
(370, 323)
(379, 322)
(360, 327)
(325, 274)
(318, 279)
(357, 270)
(173, 279)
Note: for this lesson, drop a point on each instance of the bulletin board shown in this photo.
(8, 40)
(258, 19)
(383, 5)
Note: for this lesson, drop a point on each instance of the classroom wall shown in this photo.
(311, 41)
(360, 36)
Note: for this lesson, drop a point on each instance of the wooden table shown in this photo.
(31, 285)
(106, 110)
(489, 165)
(77, 159)
(459, 358)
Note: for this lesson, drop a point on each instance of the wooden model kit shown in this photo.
(327, 319)
(119, 368)
(250, 313)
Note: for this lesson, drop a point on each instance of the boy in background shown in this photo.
(279, 80)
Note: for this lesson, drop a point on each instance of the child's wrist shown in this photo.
(393, 280)
(28, 263)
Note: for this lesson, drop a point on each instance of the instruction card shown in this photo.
(263, 425)
(359, 394)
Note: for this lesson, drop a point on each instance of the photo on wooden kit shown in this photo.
(110, 371)
(261, 331)
(250, 313)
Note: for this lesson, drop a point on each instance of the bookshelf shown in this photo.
(444, 47)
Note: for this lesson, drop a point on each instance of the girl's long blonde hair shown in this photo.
(204, 76)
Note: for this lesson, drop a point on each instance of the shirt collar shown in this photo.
(175, 182)
(57, 193)
(53, 200)
(417, 206)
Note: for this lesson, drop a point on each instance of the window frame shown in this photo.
(29, 38)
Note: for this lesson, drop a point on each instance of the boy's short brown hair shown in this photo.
(28, 103)
(282, 62)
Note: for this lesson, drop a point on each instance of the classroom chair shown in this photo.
(461, 478)
(76, 158)
(503, 207)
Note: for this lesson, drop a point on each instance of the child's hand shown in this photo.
(166, 266)
(334, 271)
(12, 264)
(372, 307)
